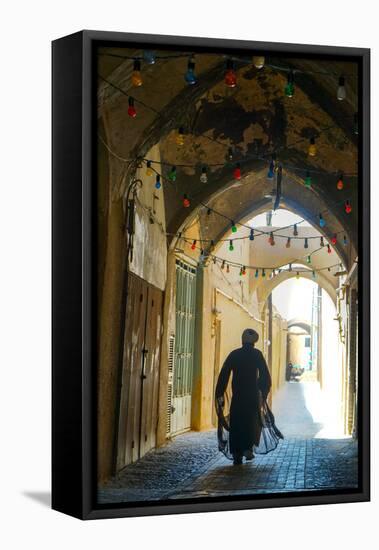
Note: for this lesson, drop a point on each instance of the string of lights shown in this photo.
(186, 199)
(259, 61)
(236, 162)
(225, 263)
(253, 231)
(231, 263)
(241, 159)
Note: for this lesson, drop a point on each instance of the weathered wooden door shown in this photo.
(138, 409)
(184, 347)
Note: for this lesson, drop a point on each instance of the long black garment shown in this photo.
(249, 423)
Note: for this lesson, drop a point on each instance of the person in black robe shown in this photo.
(249, 425)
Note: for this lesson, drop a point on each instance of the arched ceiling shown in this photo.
(254, 118)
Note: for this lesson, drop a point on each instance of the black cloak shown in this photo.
(249, 423)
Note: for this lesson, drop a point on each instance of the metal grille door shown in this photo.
(184, 347)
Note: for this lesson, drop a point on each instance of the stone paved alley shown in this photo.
(312, 456)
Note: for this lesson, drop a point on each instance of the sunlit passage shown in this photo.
(228, 283)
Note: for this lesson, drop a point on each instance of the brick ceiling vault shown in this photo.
(254, 118)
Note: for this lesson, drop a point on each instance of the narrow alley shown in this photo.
(190, 465)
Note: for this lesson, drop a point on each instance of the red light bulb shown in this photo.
(131, 109)
(230, 75)
(340, 183)
(347, 207)
(329, 249)
(334, 239)
(186, 201)
(237, 172)
(193, 245)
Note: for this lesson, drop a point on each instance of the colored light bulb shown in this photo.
(258, 61)
(193, 245)
(136, 74)
(306, 243)
(227, 268)
(237, 172)
(243, 270)
(288, 243)
(312, 149)
(333, 240)
(329, 249)
(203, 177)
(256, 274)
(314, 274)
(131, 109)
(230, 75)
(231, 246)
(344, 240)
(263, 273)
(340, 183)
(295, 231)
(186, 201)
(149, 171)
(348, 207)
(251, 236)
(172, 174)
(190, 76)
(290, 267)
(341, 90)
(234, 227)
(271, 170)
(271, 239)
(180, 137)
(308, 180)
(297, 275)
(223, 264)
(322, 242)
(356, 124)
(308, 259)
(149, 57)
(230, 154)
(321, 221)
(158, 182)
(289, 89)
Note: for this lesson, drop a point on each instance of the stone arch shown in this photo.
(299, 323)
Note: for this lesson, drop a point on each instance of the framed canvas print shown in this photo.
(210, 274)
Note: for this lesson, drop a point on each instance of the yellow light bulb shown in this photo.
(136, 78)
(258, 61)
(136, 74)
(149, 171)
(179, 138)
(312, 149)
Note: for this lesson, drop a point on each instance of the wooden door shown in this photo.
(138, 406)
(150, 374)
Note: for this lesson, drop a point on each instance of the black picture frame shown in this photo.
(73, 272)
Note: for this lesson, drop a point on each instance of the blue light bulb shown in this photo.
(321, 221)
(270, 173)
(190, 77)
(149, 57)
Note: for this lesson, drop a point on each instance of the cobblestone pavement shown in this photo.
(191, 466)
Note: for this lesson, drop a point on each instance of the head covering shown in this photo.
(249, 336)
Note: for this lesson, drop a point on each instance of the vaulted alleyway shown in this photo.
(191, 466)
